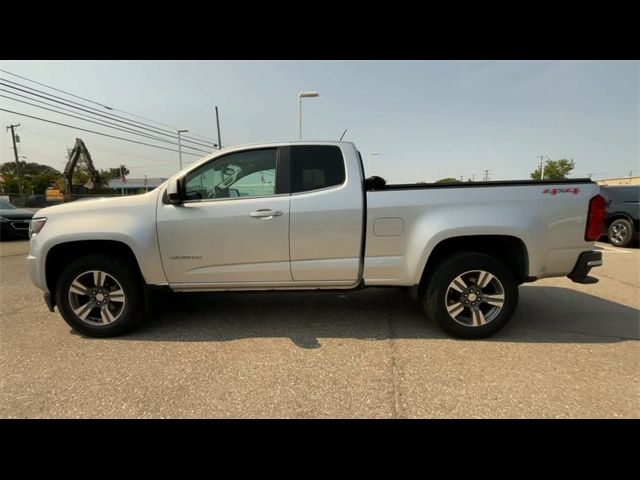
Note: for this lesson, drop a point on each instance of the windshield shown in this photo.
(6, 205)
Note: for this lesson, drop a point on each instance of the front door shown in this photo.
(234, 226)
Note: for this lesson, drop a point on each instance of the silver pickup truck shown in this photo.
(299, 216)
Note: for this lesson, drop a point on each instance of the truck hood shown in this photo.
(99, 204)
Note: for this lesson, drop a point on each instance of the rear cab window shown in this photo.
(621, 194)
(315, 167)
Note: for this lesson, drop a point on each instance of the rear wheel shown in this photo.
(470, 295)
(620, 232)
(100, 296)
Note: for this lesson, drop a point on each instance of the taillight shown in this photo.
(595, 219)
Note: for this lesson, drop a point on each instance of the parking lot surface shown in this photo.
(570, 351)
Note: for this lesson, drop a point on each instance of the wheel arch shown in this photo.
(59, 255)
(509, 249)
(618, 216)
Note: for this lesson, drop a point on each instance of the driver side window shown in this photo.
(243, 174)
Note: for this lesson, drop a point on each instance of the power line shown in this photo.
(110, 116)
(97, 133)
(102, 149)
(98, 103)
(105, 124)
(153, 129)
(82, 114)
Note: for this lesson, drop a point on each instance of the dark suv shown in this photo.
(622, 212)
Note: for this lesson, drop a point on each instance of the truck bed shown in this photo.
(548, 217)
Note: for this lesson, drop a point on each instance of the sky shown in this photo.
(426, 119)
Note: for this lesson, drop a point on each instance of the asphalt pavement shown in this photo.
(571, 351)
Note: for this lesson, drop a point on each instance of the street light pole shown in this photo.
(370, 162)
(180, 146)
(302, 95)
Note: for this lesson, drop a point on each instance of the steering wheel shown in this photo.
(220, 192)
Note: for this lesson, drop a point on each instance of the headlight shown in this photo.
(36, 225)
(2, 219)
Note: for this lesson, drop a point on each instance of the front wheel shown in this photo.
(470, 295)
(100, 296)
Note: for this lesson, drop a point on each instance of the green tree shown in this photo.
(27, 168)
(555, 169)
(448, 180)
(11, 184)
(35, 177)
(113, 173)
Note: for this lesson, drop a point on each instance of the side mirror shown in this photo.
(174, 192)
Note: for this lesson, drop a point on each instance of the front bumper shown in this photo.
(36, 273)
(15, 228)
(586, 261)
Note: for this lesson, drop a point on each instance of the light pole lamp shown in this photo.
(180, 146)
(370, 163)
(302, 95)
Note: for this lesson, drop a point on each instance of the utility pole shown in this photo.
(486, 175)
(541, 170)
(473, 177)
(122, 178)
(15, 153)
(180, 146)
(218, 125)
(461, 178)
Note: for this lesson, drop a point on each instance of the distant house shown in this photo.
(134, 186)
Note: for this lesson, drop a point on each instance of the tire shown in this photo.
(121, 296)
(441, 295)
(620, 232)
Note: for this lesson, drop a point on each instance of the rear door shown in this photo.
(325, 214)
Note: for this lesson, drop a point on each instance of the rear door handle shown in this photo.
(265, 213)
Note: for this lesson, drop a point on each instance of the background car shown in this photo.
(622, 212)
(14, 222)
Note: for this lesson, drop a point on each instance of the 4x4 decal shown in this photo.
(554, 191)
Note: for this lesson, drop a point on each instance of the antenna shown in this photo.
(345, 131)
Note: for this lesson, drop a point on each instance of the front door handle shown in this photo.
(265, 213)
